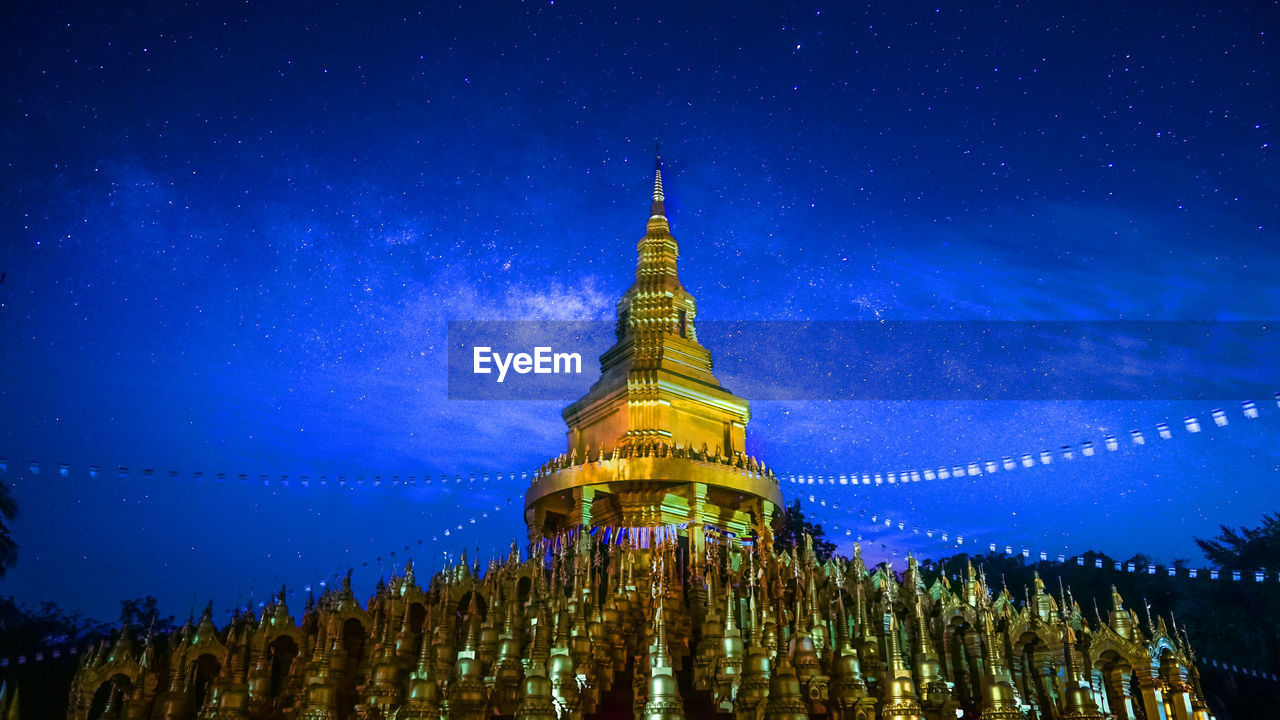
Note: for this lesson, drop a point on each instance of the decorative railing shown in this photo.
(740, 461)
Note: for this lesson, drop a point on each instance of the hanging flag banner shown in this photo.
(954, 541)
(1007, 463)
(1026, 460)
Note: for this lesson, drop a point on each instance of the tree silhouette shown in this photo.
(28, 630)
(1247, 549)
(791, 527)
(8, 513)
(142, 615)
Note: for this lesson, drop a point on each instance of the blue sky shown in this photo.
(234, 239)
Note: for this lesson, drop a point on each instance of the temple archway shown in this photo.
(1116, 674)
(482, 606)
(283, 650)
(1040, 676)
(110, 697)
(204, 671)
(354, 637)
(417, 616)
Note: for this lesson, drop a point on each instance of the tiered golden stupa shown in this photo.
(656, 441)
(653, 589)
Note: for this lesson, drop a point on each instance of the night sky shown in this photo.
(233, 237)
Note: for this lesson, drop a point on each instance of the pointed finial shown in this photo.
(473, 620)
(659, 206)
(660, 657)
(322, 629)
(1117, 602)
(731, 609)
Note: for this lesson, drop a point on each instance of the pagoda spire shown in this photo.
(659, 208)
(656, 270)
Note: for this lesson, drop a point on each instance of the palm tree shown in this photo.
(1246, 549)
(8, 513)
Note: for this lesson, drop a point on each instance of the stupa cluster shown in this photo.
(590, 629)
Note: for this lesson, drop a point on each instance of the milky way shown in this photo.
(232, 243)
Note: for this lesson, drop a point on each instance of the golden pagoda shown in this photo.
(652, 589)
(656, 440)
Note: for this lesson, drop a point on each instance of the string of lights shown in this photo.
(390, 555)
(64, 470)
(1230, 667)
(1191, 424)
(1257, 575)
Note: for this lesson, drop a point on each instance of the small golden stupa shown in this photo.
(652, 589)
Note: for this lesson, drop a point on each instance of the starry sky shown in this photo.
(233, 237)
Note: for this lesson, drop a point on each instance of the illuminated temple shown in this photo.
(652, 588)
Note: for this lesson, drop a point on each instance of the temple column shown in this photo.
(764, 523)
(1046, 680)
(1117, 684)
(947, 656)
(1098, 688)
(534, 517)
(1180, 693)
(583, 498)
(1152, 697)
(695, 528)
(697, 535)
(974, 657)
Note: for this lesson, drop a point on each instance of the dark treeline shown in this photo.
(43, 685)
